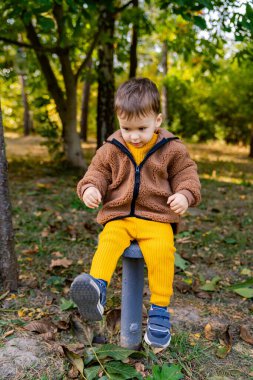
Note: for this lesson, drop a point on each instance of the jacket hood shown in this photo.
(162, 134)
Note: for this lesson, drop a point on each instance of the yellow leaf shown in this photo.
(21, 313)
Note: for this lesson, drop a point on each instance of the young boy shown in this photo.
(146, 181)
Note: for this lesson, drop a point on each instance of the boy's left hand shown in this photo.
(178, 203)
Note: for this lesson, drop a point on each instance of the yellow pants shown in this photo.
(156, 242)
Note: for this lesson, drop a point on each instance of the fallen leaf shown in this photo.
(43, 185)
(226, 341)
(48, 336)
(8, 333)
(244, 292)
(140, 368)
(157, 350)
(62, 325)
(185, 240)
(193, 338)
(210, 285)
(222, 352)
(56, 254)
(41, 327)
(4, 295)
(203, 295)
(209, 332)
(77, 348)
(246, 272)
(113, 320)
(73, 373)
(45, 232)
(61, 263)
(31, 251)
(182, 286)
(83, 332)
(75, 359)
(245, 334)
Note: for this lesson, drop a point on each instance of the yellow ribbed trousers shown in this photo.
(156, 242)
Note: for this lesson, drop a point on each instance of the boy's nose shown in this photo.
(135, 137)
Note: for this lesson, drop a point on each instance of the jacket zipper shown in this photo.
(136, 188)
(138, 167)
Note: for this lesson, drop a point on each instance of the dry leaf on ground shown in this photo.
(209, 332)
(56, 254)
(41, 327)
(140, 368)
(31, 251)
(245, 334)
(61, 263)
(226, 344)
(113, 320)
(7, 333)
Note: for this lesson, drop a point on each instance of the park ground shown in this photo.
(56, 236)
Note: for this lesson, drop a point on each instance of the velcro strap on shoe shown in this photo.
(157, 313)
(158, 321)
(158, 318)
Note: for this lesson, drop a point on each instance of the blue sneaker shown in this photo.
(89, 294)
(158, 328)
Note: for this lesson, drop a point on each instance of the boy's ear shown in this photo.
(159, 120)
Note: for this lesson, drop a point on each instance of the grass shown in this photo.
(51, 223)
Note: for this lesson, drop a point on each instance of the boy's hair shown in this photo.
(137, 97)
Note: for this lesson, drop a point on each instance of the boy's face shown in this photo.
(139, 130)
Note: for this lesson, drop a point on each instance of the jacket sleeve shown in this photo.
(98, 173)
(183, 176)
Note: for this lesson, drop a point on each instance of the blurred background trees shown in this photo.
(61, 61)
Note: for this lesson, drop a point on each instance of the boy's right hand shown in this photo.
(92, 197)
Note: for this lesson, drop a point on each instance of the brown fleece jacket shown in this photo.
(141, 191)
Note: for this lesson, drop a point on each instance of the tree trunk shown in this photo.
(85, 105)
(71, 139)
(165, 95)
(8, 260)
(134, 43)
(105, 101)
(66, 106)
(251, 143)
(27, 120)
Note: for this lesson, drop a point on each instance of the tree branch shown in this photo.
(52, 83)
(118, 10)
(66, 69)
(88, 55)
(54, 50)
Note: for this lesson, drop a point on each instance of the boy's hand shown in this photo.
(178, 203)
(92, 197)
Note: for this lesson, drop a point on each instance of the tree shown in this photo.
(8, 260)
(55, 31)
(134, 42)
(105, 72)
(108, 12)
(85, 103)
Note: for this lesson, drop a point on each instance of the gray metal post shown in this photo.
(131, 299)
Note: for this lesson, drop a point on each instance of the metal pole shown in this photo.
(132, 293)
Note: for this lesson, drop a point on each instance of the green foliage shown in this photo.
(244, 289)
(99, 360)
(50, 130)
(180, 262)
(67, 304)
(185, 110)
(210, 286)
(231, 102)
(172, 372)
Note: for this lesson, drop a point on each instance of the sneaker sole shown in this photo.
(156, 345)
(86, 295)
